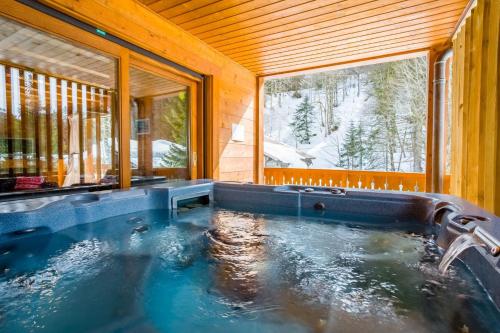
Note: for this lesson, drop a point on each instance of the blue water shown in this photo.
(215, 270)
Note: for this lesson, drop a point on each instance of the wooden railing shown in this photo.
(374, 180)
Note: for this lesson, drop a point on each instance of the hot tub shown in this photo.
(201, 256)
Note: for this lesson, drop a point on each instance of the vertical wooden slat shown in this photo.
(10, 147)
(60, 160)
(16, 120)
(97, 115)
(32, 111)
(48, 110)
(41, 122)
(82, 117)
(465, 93)
(474, 104)
(490, 172)
(454, 117)
(3, 112)
(460, 111)
(24, 124)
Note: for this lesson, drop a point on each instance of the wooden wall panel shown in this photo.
(233, 85)
(475, 168)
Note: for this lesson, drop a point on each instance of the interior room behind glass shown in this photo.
(58, 123)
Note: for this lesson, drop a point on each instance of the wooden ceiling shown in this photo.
(277, 36)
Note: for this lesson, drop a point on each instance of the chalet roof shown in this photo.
(286, 154)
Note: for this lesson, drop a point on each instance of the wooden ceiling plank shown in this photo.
(406, 14)
(353, 9)
(381, 41)
(245, 16)
(298, 15)
(214, 12)
(370, 52)
(348, 37)
(149, 2)
(351, 32)
(230, 15)
(186, 7)
(355, 18)
(159, 6)
(365, 52)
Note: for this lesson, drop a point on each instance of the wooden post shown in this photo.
(200, 126)
(431, 58)
(124, 119)
(212, 135)
(259, 132)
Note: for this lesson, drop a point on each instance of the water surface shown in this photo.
(216, 270)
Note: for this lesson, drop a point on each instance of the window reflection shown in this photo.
(159, 127)
(57, 113)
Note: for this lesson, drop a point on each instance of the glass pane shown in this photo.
(57, 111)
(159, 127)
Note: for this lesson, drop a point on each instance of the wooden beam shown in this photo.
(124, 120)
(259, 131)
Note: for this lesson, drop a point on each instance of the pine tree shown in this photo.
(176, 118)
(302, 122)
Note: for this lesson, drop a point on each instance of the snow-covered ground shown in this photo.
(160, 149)
(323, 148)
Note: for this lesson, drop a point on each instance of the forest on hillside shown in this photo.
(366, 118)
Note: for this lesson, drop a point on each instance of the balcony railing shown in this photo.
(371, 180)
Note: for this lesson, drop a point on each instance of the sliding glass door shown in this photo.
(57, 112)
(161, 109)
(67, 99)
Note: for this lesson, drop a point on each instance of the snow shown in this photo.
(285, 153)
(160, 148)
(323, 148)
(355, 107)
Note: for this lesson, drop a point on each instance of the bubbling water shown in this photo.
(215, 270)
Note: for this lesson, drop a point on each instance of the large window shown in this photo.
(360, 118)
(61, 105)
(57, 112)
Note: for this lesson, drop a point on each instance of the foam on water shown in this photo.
(214, 270)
